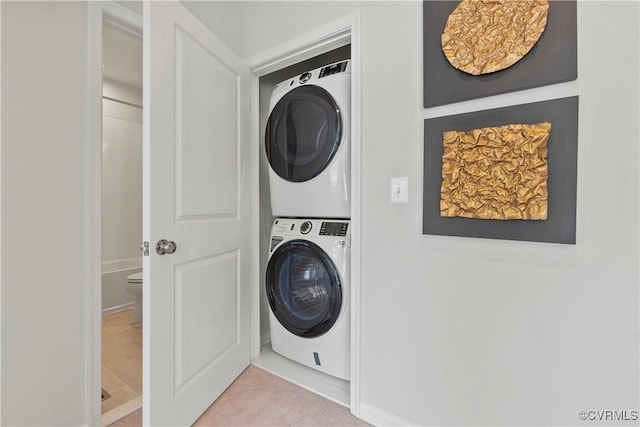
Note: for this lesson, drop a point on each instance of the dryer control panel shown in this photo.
(339, 67)
(333, 228)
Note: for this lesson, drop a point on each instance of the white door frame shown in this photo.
(335, 34)
(93, 192)
(0, 214)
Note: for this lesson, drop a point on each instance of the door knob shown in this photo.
(165, 247)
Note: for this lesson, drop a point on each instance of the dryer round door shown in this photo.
(303, 288)
(303, 133)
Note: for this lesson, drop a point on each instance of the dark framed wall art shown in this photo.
(559, 225)
(553, 59)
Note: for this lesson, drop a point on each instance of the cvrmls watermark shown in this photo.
(608, 415)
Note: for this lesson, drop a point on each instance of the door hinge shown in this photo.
(144, 247)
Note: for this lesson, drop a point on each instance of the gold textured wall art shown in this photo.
(483, 36)
(496, 172)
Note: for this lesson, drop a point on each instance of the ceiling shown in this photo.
(246, 26)
(242, 25)
(133, 5)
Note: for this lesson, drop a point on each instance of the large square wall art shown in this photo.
(550, 51)
(507, 173)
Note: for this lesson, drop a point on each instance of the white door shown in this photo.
(197, 184)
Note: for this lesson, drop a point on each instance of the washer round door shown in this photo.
(303, 133)
(303, 288)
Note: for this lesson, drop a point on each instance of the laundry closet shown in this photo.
(304, 234)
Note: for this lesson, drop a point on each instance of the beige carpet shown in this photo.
(258, 398)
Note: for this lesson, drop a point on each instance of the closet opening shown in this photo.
(330, 386)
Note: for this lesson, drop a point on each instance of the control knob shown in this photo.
(305, 77)
(305, 227)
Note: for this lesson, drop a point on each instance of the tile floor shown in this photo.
(121, 359)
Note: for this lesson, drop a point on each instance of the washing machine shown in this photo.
(308, 144)
(307, 286)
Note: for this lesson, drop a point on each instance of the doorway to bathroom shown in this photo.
(121, 219)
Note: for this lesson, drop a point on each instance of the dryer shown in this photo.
(308, 144)
(307, 286)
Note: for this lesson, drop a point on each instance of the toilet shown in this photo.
(134, 286)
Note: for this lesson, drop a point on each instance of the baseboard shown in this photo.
(121, 411)
(378, 417)
(117, 308)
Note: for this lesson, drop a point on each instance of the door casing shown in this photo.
(345, 30)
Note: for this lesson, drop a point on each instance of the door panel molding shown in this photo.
(222, 159)
(205, 310)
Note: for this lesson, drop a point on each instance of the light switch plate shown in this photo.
(400, 189)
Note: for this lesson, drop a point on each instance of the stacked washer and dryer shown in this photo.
(307, 143)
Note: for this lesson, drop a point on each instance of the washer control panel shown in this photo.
(287, 228)
(333, 228)
(275, 241)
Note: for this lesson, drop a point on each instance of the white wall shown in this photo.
(459, 331)
(121, 197)
(455, 331)
(133, 5)
(122, 91)
(121, 186)
(43, 214)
